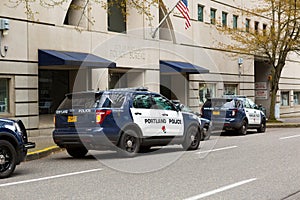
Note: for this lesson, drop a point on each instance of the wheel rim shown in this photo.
(194, 138)
(263, 126)
(244, 128)
(5, 159)
(130, 143)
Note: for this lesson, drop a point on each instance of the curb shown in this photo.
(42, 153)
(283, 125)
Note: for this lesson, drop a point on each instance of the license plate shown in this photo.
(72, 118)
(216, 112)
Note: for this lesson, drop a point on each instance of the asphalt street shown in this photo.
(255, 166)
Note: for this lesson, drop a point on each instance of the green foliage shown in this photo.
(281, 37)
(142, 6)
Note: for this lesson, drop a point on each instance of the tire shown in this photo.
(262, 127)
(192, 139)
(243, 129)
(77, 152)
(144, 149)
(206, 133)
(129, 143)
(8, 159)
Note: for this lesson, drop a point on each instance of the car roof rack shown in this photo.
(130, 89)
(234, 96)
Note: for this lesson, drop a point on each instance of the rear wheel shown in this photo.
(192, 139)
(8, 158)
(243, 129)
(77, 152)
(129, 143)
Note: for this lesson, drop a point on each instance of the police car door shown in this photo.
(147, 118)
(250, 112)
(256, 112)
(174, 119)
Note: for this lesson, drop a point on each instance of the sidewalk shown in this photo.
(285, 122)
(45, 145)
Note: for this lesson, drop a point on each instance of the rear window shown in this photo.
(223, 103)
(111, 100)
(74, 101)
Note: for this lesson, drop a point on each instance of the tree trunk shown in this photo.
(273, 103)
(276, 73)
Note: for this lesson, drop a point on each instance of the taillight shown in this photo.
(101, 114)
(234, 112)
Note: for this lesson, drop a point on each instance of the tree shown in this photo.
(274, 43)
(142, 6)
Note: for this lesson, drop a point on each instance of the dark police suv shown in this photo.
(13, 145)
(128, 120)
(236, 113)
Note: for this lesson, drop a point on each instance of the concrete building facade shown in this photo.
(64, 50)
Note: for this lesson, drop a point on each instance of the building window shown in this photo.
(116, 19)
(264, 29)
(213, 16)
(200, 13)
(76, 14)
(256, 25)
(285, 98)
(297, 98)
(235, 22)
(247, 25)
(224, 19)
(206, 90)
(230, 89)
(4, 95)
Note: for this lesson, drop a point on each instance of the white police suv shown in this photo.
(131, 119)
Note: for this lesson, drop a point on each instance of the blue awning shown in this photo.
(75, 59)
(181, 67)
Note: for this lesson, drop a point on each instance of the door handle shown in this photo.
(138, 113)
(164, 114)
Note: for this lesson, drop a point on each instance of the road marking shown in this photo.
(222, 189)
(293, 136)
(220, 149)
(49, 177)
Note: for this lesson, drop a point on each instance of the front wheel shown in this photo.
(206, 132)
(262, 127)
(129, 143)
(8, 157)
(77, 152)
(192, 139)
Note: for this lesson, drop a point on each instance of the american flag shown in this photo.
(182, 6)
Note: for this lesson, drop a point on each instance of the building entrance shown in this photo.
(53, 85)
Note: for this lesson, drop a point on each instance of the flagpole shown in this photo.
(163, 20)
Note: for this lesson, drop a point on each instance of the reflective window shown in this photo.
(285, 98)
(297, 98)
(230, 89)
(235, 22)
(200, 13)
(213, 16)
(142, 101)
(162, 103)
(247, 25)
(4, 95)
(206, 90)
(224, 19)
(116, 19)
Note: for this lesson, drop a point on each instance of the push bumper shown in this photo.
(29, 145)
